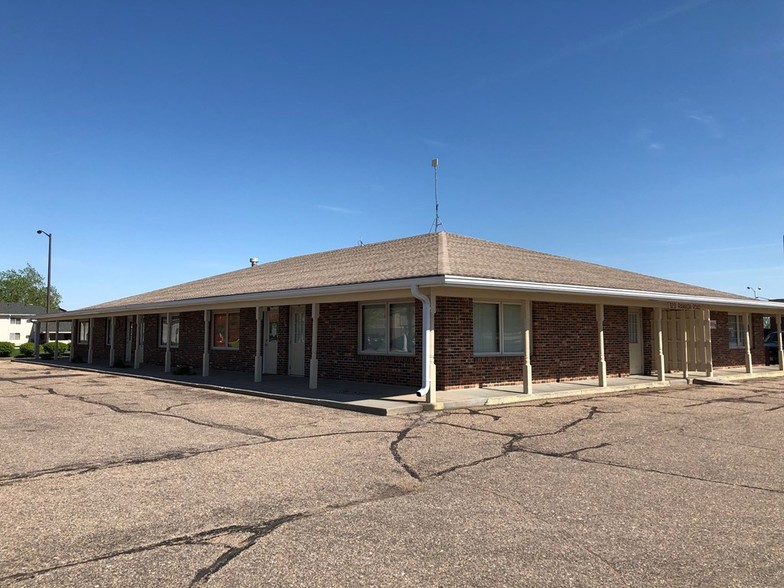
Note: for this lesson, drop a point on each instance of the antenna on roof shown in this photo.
(434, 228)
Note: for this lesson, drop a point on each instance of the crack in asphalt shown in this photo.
(729, 400)
(513, 444)
(255, 532)
(662, 472)
(86, 468)
(175, 455)
(394, 448)
(117, 409)
(201, 537)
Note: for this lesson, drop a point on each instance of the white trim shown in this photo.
(311, 294)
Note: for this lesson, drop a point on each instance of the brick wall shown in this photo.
(338, 341)
(565, 345)
(723, 356)
(648, 361)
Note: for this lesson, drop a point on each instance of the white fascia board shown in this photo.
(253, 298)
(574, 290)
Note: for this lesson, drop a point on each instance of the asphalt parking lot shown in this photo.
(107, 480)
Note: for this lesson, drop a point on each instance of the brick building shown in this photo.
(436, 311)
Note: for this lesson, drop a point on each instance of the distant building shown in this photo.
(16, 323)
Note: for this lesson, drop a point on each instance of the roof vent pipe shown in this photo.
(254, 261)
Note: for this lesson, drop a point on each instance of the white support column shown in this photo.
(167, 357)
(205, 358)
(528, 385)
(747, 320)
(111, 341)
(56, 349)
(74, 327)
(257, 362)
(37, 343)
(313, 384)
(662, 365)
(137, 361)
(685, 342)
(602, 362)
(781, 347)
(90, 342)
(708, 343)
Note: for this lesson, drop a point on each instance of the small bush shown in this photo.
(7, 349)
(62, 348)
(27, 349)
(183, 370)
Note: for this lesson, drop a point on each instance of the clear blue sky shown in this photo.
(165, 141)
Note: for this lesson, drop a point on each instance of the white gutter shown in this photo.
(538, 287)
(208, 302)
(425, 340)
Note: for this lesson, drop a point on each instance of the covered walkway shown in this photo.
(396, 400)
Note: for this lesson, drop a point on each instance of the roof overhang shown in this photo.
(339, 292)
(612, 293)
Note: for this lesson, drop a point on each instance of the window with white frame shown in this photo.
(225, 330)
(108, 331)
(15, 336)
(737, 331)
(15, 320)
(165, 330)
(498, 328)
(387, 328)
(84, 332)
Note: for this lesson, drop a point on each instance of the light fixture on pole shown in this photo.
(754, 290)
(48, 279)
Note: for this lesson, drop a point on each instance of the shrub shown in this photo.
(7, 349)
(183, 370)
(27, 349)
(62, 348)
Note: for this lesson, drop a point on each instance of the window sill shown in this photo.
(386, 354)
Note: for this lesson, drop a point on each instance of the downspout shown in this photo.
(425, 340)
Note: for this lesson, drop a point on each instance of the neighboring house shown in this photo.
(16, 323)
(435, 311)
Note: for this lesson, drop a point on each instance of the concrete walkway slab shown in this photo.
(387, 400)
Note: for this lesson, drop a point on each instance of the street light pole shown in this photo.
(48, 279)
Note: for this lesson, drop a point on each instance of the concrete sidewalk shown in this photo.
(386, 400)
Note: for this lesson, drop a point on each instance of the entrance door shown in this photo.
(297, 341)
(271, 341)
(635, 341)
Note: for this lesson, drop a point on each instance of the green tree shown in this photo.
(27, 286)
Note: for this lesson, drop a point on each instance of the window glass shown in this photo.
(486, 328)
(234, 330)
(174, 330)
(513, 328)
(298, 335)
(737, 331)
(374, 328)
(219, 330)
(84, 331)
(633, 330)
(401, 328)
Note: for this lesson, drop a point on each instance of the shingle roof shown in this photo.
(20, 308)
(433, 254)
